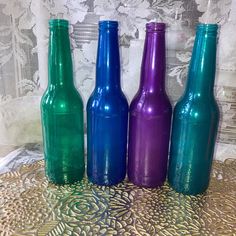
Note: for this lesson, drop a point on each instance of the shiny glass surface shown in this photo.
(107, 113)
(150, 115)
(62, 112)
(195, 119)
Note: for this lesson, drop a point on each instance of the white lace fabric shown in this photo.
(24, 42)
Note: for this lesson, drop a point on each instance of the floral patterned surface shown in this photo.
(29, 205)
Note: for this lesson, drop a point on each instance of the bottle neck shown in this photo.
(201, 76)
(108, 59)
(153, 62)
(60, 67)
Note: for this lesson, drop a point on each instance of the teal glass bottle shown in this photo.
(62, 112)
(196, 118)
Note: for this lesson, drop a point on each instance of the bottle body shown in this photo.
(107, 117)
(150, 115)
(195, 120)
(62, 112)
(107, 113)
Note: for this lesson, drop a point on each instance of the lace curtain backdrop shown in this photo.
(23, 55)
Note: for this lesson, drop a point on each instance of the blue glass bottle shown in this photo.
(107, 113)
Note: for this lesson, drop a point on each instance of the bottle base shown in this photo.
(186, 191)
(146, 182)
(105, 181)
(65, 178)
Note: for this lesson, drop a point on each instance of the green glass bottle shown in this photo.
(62, 112)
(196, 118)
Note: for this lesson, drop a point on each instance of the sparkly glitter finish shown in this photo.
(31, 206)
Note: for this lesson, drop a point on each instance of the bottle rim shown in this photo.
(108, 24)
(58, 23)
(207, 27)
(155, 26)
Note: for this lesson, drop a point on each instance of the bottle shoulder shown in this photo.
(197, 108)
(149, 103)
(109, 102)
(61, 100)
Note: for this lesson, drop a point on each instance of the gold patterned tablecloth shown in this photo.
(29, 205)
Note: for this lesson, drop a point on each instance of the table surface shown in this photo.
(29, 205)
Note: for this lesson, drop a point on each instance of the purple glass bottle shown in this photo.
(150, 115)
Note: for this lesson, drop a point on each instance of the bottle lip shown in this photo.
(58, 23)
(207, 27)
(108, 24)
(155, 26)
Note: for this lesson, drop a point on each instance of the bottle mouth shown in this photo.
(58, 23)
(155, 26)
(207, 27)
(108, 24)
